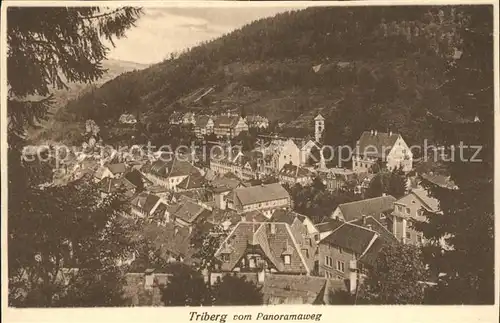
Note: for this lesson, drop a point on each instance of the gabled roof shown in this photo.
(168, 238)
(112, 185)
(262, 193)
(351, 237)
(271, 238)
(193, 181)
(188, 210)
(376, 145)
(331, 225)
(117, 168)
(171, 168)
(145, 201)
(370, 257)
(372, 206)
(135, 177)
(319, 117)
(226, 121)
(371, 223)
(431, 203)
(439, 180)
(202, 120)
(294, 171)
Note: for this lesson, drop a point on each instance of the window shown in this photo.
(419, 238)
(287, 259)
(309, 242)
(382, 216)
(340, 266)
(407, 210)
(328, 261)
(340, 250)
(408, 235)
(251, 262)
(305, 252)
(225, 257)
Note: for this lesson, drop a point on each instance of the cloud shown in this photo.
(162, 31)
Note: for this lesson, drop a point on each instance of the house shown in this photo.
(340, 251)
(278, 153)
(292, 289)
(229, 126)
(189, 118)
(363, 181)
(319, 127)
(245, 166)
(136, 178)
(187, 212)
(146, 205)
(192, 182)
(127, 119)
(262, 197)
(176, 118)
(373, 224)
(388, 148)
(337, 179)
(439, 180)
(291, 174)
(408, 209)
(288, 216)
(111, 185)
(204, 125)
(378, 207)
(110, 170)
(307, 149)
(169, 173)
(325, 228)
(273, 247)
(170, 240)
(257, 122)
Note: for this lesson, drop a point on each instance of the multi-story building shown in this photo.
(278, 153)
(266, 198)
(257, 122)
(378, 207)
(408, 209)
(204, 125)
(229, 126)
(169, 173)
(291, 174)
(387, 148)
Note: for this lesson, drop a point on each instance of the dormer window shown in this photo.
(287, 259)
(225, 257)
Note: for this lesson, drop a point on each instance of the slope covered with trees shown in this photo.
(362, 68)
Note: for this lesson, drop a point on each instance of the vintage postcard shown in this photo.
(183, 161)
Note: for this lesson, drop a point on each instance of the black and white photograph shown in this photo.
(252, 154)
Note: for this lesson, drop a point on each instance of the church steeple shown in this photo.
(319, 127)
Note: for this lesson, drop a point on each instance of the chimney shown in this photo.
(261, 275)
(371, 132)
(176, 231)
(353, 276)
(369, 226)
(390, 133)
(375, 133)
(149, 278)
(243, 218)
(384, 194)
(363, 218)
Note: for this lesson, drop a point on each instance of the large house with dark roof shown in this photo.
(408, 209)
(378, 207)
(145, 205)
(292, 174)
(204, 125)
(266, 198)
(229, 126)
(187, 212)
(388, 148)
(169, 173)
(275, 247)
(341, 250)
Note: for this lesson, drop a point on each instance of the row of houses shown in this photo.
(224, 126)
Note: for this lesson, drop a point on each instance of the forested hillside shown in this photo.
(363, 68)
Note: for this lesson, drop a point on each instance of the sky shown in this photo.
(161, 31)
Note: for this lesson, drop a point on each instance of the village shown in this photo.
(296, 259)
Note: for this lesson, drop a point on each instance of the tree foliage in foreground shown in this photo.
(466, 225)
(64, 242)
(396, 277)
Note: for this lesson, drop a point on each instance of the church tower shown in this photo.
(319, 127)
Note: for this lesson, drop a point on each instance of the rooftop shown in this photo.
(262, 193)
